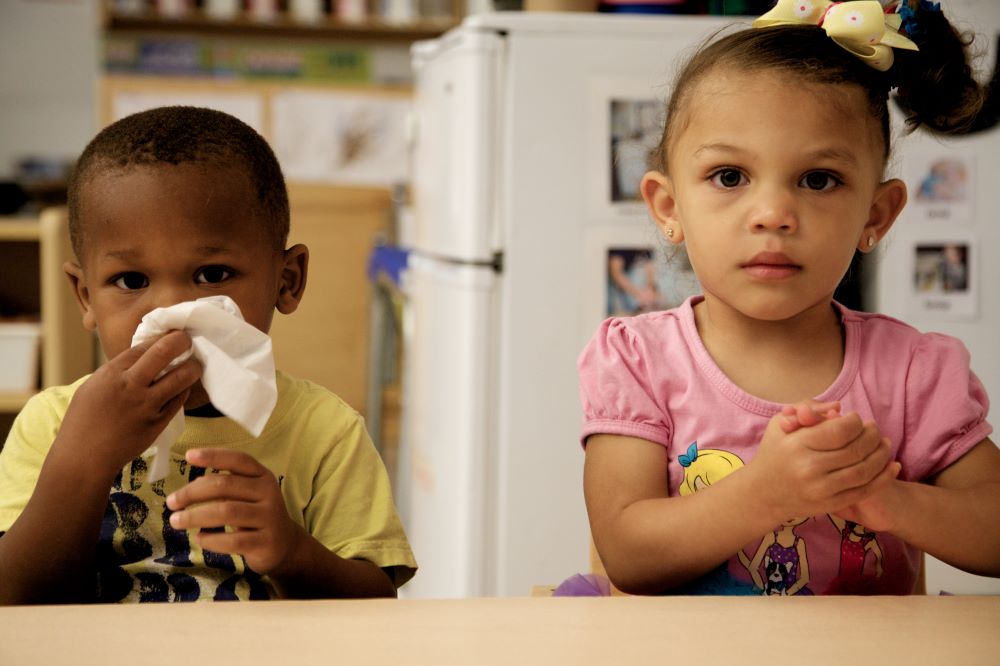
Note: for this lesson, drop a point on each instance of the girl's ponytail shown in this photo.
(935, 86)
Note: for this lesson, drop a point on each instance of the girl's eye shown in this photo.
(820, 181)
(728, 178)
(131, 281)
(213, 275)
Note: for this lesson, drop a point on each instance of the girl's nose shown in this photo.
(774, 210)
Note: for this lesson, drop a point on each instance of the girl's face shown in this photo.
(772, 184)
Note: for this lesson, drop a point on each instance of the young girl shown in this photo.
(770, 171)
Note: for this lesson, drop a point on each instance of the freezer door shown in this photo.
(454, 146)
(447, 440)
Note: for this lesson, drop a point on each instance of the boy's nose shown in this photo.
(774, 210)
(171, 295)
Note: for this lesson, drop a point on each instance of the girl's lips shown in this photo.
(771, 266)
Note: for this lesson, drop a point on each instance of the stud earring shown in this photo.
(871, 242)
(670, 233)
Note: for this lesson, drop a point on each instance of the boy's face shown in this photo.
(160, 235)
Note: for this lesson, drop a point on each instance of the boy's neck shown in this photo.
(207, 411)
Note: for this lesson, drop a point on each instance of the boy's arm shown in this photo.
(47, 555)
(650, 542)
(314, 572)
(248, 501)
(953, 518)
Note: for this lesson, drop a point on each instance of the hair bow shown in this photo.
(861, 27)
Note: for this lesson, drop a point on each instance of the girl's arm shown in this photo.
(651, 542)
(953, 517)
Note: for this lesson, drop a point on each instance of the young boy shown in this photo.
(168, 206)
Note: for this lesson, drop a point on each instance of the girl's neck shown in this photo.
(782, 361)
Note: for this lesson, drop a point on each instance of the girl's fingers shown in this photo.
(866, 470)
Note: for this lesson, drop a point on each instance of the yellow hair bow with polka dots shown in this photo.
(861, 26)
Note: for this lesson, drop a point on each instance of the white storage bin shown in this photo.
(19, 355)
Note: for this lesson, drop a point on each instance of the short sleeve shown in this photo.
(946, 407)
(352, 511)
(615, 387)
(23, 454)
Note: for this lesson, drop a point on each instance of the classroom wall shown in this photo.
(48, 78)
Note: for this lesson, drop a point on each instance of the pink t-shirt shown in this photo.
(651, 377)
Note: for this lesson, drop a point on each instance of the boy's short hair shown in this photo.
(183, 135)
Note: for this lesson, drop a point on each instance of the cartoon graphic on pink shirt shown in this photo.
(780, 565)
(856, 541)
(701, 470)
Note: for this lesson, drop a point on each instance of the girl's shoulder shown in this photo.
(652, 327)
(888, 339)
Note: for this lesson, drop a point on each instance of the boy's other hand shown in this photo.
(246, 498)
(117, 413)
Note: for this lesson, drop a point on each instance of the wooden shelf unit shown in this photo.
(196, 21)
(67, 349)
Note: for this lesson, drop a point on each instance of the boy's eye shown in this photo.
(213, 275)
(728, 178)
(820, 181)
(131, 281)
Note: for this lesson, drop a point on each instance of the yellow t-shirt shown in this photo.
(332, 479)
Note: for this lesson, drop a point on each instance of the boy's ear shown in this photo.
(890, 197)
(79, 286)
(658, 193)
(294, 269)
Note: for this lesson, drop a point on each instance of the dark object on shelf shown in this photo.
(12, 198)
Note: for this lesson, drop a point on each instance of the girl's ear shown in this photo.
(78, 284)
(890, 197)
(294, 269)
(658, 193)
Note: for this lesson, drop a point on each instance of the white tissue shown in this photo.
(238, 366)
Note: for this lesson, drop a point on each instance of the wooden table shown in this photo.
(513, 632)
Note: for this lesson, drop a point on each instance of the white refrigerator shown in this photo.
(528, 138)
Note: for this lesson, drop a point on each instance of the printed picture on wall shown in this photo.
(940, 186)
(635, 132)
(641, 279)
(943, 284)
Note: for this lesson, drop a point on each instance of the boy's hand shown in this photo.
(247, 499)
(118, 412)
(827, 461)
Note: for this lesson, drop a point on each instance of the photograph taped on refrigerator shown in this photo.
(635, 131)
(943, 279)
(643, 279)
(634, 251)
(624, 122)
